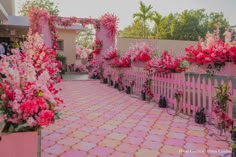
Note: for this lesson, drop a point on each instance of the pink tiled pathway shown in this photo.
(99, 121)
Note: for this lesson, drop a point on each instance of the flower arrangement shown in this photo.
(140, 52)
(221, 106)
(110, 54)
(97, 46)
(37, 17)
(93, 68)
(27, 91)
(79, 68)
(124, 61)
(147, 89)
(109, 22)
(167, 64)
(213, 52)
(178, 95)
(81, 51)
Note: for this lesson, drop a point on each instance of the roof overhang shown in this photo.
(3, 13)
(23, 21)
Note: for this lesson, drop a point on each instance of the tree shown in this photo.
(215, 19)
(167, 26)
(135, 30)
(47, 5)
(85, 38)
(156, 18)
(143, 15)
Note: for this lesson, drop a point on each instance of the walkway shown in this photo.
(100, 121)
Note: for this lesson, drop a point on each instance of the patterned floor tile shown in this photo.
(111, 123)
(146, 152)
(85, 146)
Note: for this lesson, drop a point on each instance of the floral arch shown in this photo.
(106, 29)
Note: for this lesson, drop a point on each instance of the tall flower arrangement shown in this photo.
(27, 90)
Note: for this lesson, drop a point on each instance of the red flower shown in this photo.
(45, 117)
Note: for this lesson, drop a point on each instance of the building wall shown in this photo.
(176, 47)
(68, 36)
(9, 6)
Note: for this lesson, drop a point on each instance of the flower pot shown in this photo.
(20, 144)
(228, 70)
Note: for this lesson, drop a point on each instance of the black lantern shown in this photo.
(162, 102)
(128, 90)
(143, 95)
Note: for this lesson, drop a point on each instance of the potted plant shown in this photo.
(27, 97)
(222, 99)
(178, 95)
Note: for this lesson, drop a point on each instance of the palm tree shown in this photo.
(156, 18)
(143, 15)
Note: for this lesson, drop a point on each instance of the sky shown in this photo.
(124, 9)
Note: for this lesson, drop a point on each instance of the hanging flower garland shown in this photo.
(110, 22)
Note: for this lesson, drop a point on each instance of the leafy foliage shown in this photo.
(188, 25)
(143, 15)
(85, 38)
(48, 5)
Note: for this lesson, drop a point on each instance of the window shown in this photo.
(60, 44)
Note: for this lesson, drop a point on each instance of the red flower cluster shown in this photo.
(111, 54)
(124, 61)
(109, 22)
(221, 115)
(45, 117)
(166, 64)
(143, 56)
(97, 46)
(219, 52)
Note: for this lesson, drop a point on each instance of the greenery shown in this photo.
(143, 15)
(61, 58)
(223, 96)
(85, 38)
(48, 5)
(188, 25)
